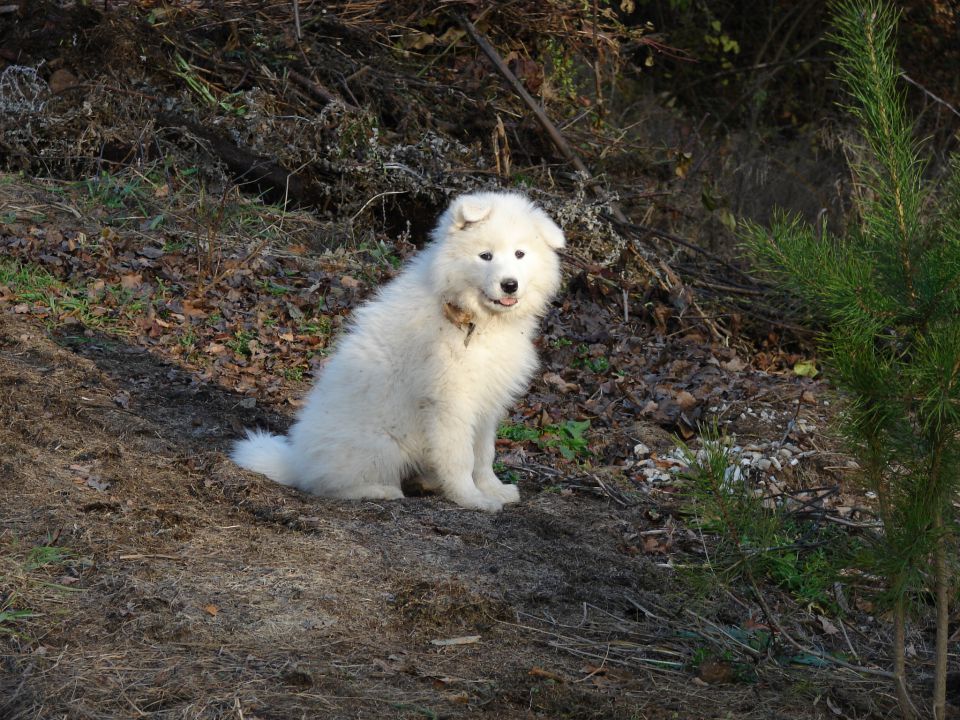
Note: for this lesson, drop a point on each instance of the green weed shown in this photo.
(757, 537)
(231, 103)
(42, 556)
(273, 288)
(382, 254)
(29, 575)
(240, 344)
(567, 437)
(35, 286)
(596, 364)
(319, 325)
(293, 373)
(505, 474)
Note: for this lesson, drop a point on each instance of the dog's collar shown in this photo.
(461, 318)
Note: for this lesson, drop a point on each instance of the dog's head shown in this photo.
(496, 253)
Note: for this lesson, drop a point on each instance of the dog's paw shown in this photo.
(499, 490)
(476, 500)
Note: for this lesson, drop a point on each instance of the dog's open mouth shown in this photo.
(504, 301)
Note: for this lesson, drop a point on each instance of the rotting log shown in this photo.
(247, 168)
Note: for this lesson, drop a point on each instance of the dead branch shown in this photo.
(248, 168)
(555, 135)
(318, 91)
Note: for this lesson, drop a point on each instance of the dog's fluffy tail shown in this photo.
(265, 453)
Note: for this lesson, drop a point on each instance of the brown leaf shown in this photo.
(131, 281)
(151, 251)
(211, 610)
(828, 627)
(652, 546)
(192, 310)
(716, 672)
(685, 400)
(554, 380)
(96, 483)
(735, 364)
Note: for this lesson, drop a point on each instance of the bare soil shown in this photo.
(191, 589)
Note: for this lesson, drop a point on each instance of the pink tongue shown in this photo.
(508, 301)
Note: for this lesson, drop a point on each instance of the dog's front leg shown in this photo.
(484, 452)
(450, 443)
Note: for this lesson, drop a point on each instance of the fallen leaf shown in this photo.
(191, 310)
(131, 281)
(652, 546)
(96, 483)
(828, 627)
(685, 400)
(716, 672)
(734, 365)
(806, 368)
(211, 610)
(554, 380)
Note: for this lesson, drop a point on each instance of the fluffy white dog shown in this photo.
(420, 383)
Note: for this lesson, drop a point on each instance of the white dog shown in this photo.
(420, 383)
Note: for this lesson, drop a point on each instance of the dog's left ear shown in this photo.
(551, 233)
(470, 209)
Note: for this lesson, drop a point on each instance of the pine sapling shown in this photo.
(888, 291)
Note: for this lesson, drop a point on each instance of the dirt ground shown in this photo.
(188, 588)
(185, 228)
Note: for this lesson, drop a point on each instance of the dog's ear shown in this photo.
(551, 233)
(470, 209)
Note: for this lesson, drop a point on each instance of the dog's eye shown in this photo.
(488, 256)
(519, 254)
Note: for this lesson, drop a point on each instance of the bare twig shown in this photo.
(555, 136)
(776, 625)
(296, 19)
(675, 239)
(317, 90)
(930, 95)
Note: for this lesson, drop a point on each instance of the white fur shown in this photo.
(406, 392)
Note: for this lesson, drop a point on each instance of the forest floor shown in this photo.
(146, 319)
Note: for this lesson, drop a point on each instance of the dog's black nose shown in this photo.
(509, 286)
